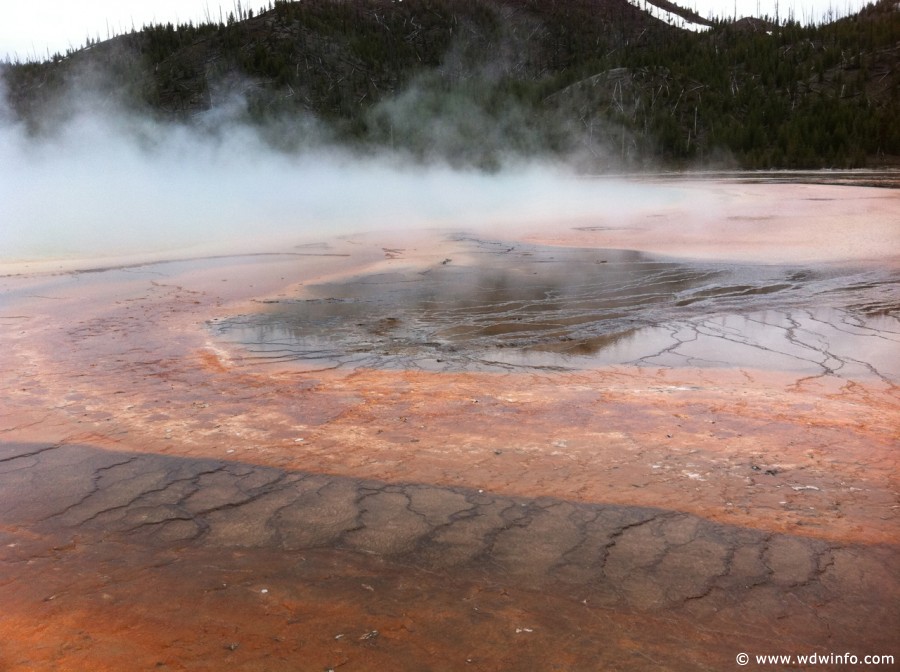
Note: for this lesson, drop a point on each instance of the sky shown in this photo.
(30, 30)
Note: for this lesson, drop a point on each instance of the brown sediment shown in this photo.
(666, 512)
(142, 560)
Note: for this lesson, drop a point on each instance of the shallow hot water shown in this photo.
(372, 517)
(506, 305)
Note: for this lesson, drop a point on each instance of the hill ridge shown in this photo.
(476, 81)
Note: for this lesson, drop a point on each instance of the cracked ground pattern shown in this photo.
(61, 504)
(173, 500)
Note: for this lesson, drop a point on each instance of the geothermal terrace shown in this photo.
(638, 442)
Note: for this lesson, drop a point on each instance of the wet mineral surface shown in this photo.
(454, 451)
(328, 571)
(508, 306)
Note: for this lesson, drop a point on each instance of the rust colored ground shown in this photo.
(123, 361)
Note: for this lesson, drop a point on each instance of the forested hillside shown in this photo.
(599, 83)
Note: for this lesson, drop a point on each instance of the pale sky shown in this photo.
(29, 28)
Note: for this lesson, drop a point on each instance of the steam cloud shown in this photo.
(106, 182)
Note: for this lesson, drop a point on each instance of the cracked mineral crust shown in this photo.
(583, 447)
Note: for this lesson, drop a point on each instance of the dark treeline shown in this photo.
(476, 80)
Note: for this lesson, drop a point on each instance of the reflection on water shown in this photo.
(530, 306)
